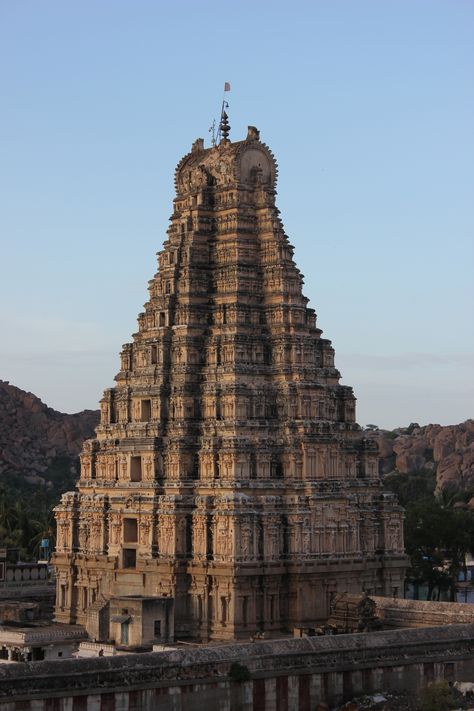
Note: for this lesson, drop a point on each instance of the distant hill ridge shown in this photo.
(33, 436)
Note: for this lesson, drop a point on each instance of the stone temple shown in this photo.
(229, 489)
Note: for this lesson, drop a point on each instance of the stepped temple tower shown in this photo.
(229, 489)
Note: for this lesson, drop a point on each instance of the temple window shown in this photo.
(189, 535)
(253, 466)
(124, 633)
(245, 604)
(145, 410)
(272, 608)
(130, 530)
(129, 558)
(136, 469)
(209, 539)
(277, 470)
(223, 610)
(154, 354)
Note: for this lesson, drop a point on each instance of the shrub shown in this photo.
(239, 672)
(437, 696)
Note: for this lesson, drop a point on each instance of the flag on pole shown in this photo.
(226, 86)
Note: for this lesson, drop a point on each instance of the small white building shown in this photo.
(37, 642)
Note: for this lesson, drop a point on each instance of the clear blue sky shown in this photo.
(369, 109)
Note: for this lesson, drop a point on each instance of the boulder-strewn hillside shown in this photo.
(447, 451)
(37, 443)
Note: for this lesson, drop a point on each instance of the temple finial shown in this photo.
(224, 127)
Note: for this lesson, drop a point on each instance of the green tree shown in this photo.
(437, 538)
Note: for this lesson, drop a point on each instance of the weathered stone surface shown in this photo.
(228, 472)
(397, 612)
(354, 613)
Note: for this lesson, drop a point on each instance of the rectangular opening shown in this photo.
(157, 629)
(223, 610)
(154, 355)
(145, 414)
(245, 602)
(124, 632)
(136, 469)
(130, 530)
(161, 318)
(189, 535)
(129, 558)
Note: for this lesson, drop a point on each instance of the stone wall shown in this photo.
(291, 674)
(40, 592)
(395, 612)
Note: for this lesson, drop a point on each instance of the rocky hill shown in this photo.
(38, 444)
(446, 451)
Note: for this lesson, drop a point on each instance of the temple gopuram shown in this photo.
(229, 490)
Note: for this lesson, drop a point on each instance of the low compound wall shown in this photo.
(396, 612)
(285, 675)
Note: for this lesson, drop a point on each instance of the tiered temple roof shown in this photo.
(228, 481)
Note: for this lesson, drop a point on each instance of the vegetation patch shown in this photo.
(239, 672)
